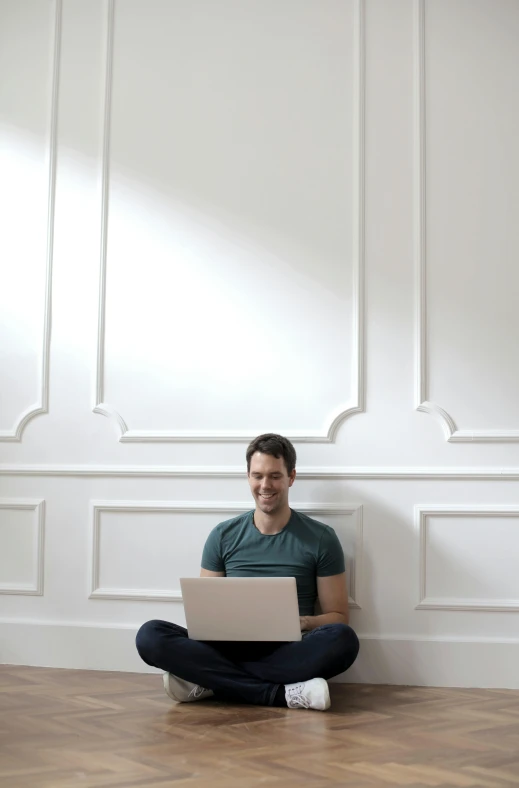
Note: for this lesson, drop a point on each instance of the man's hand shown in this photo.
(304, 623)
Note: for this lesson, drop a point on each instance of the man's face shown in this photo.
(269, 482)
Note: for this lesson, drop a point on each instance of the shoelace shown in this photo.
(295, 696)
(196, 692)
(301, 700)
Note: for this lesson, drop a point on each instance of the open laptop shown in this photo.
(241, 608)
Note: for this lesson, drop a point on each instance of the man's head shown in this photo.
(271, 461)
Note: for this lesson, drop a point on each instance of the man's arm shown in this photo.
(208, 573)
(333, 600)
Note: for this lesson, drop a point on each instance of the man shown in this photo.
(271, 540)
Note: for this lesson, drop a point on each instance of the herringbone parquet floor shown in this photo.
(84, 729)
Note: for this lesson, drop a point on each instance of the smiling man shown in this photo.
(272, 540)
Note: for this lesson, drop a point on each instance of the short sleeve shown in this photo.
(212, 554)
(330, 560)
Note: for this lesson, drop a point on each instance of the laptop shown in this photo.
(241, 608)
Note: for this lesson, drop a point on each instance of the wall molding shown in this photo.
(127, 435)
(423, 404)
(332, 473)
(15, 435)
(210, 507)
(422, 513)
(38, 506)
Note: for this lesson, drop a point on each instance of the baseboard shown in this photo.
(390, 659)
(435, 662)
(79, 646)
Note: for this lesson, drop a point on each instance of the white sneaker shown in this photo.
(313, 694)
(183, 691)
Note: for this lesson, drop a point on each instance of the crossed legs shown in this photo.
(249, 672)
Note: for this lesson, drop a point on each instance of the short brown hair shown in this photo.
(275, 445)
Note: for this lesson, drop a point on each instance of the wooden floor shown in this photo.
(65, 728)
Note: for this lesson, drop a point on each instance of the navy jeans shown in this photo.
(247, 672)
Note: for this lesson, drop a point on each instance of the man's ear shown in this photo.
(292, 478)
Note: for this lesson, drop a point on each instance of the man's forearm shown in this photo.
(311, 622)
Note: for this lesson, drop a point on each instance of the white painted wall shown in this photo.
(225, 217)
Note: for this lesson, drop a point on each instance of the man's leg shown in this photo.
(168, 647)
(322, 653)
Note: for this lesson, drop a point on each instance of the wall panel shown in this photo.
(239, 191)
(140, 549)
(29, 54)
(466, 236)
(22, 523)
(467, 558)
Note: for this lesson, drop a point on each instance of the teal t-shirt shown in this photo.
(304, 549)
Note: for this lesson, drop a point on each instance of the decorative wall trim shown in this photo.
(423, 404)
(15, 435)
(419, 202)
(38, 506)
(444, 603)
(100, 407)
(354, 565)
(333, 473)
(127, 435)
(195, 507)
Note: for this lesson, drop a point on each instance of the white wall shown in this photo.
(225, 217)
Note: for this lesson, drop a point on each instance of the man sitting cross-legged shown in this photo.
(271, 541)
